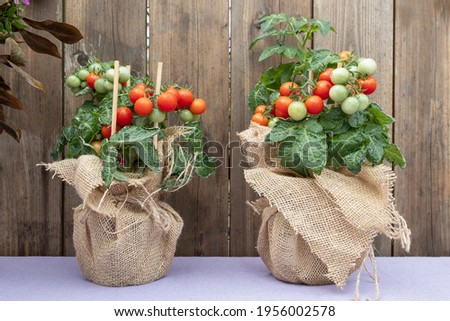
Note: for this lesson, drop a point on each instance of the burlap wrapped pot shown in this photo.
(319, 230)
(123, 235)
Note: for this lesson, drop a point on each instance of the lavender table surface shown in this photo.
(221, 279)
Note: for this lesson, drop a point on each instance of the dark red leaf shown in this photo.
(11, 130)
(40, 44)
(64, 32)
(3, 86)
(9, 100)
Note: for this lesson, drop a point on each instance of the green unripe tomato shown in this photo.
(297, 110)
(73, 81)
(367, 66)
(82, 74)
(350, 105)
(273, 122)
(338, 93)
(124, 74)
(340, 76)
(109, 86)
(99, 86)
(196, 117)
(109, 75)
(157, 116)
(186, 115)
(95, 67)
(363, 100)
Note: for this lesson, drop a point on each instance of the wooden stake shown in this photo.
(157, 92)
(311, 78)
(129, 70)
(115, 96)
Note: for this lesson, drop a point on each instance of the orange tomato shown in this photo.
(198, 106)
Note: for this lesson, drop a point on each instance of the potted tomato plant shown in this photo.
(316, 146)
(121, 154)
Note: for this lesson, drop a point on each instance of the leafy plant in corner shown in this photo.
(14, 29)
(318, 103)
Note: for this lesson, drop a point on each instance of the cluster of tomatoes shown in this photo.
(348, 87)
(143, 102)
(97, 78)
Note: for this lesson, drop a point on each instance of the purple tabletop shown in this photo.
(221, 279)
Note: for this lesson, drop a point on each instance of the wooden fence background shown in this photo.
(204, 43)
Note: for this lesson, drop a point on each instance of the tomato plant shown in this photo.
(319, 98)
(141, 120)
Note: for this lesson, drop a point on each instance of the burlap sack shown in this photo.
(123, 235)
(319, 230)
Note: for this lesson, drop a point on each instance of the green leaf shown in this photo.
(332, 119)
(140, 140)
(302, 147)
(270, 51)
(109, 155)
(394, 155)
(323, 26)
(268, 22)
(298, 24)
(272, 78)
(358, 119)
(274, 96)
(262, 36)
(257, 96)
(320, 59)
(349, 149)
(379, 139)
(290, 51)
(19, 25)
(379, 116)
(282, 130)
(313, 126)
(83, 91)
(8, 26)
(205, 165)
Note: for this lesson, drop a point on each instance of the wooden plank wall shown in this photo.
(204, 43)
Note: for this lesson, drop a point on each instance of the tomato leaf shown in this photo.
(321, 59)
(263, 35)
(257, 96)
(109, 155)
(290, 51)
(270, 51)
(357, 119)
(393, 155)
(64, 32)
(268, 22)
(323, 26)
(84, 127)
(141, 140)
(332, 119)
(379, 116)
(40, 44)
(302, 147)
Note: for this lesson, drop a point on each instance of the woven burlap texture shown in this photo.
(123, 235)
(319, 230)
